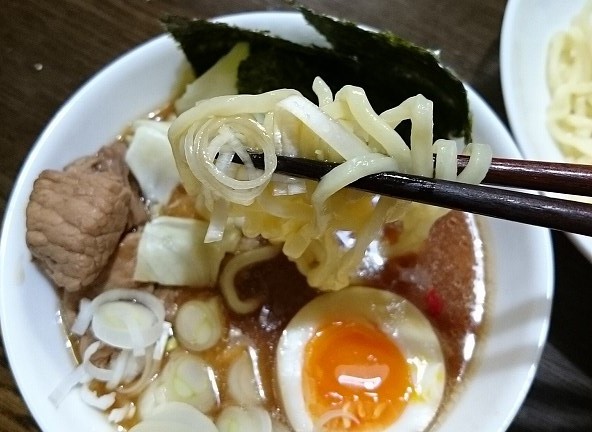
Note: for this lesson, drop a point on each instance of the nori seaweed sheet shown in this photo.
(389, 68)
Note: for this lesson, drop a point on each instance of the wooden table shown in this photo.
(49, 48)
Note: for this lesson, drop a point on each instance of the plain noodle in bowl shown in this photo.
(569, 77)
(528, 27)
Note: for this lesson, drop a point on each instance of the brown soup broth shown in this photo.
(444, 279)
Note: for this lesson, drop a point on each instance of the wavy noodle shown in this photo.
(446, 159)
(324, 228)
(367, 120)
(569, 78)
(323, 91)
(331, 134)
(233, 267)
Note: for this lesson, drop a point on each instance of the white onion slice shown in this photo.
(64, 387)
(117, 415)
(218, 221)
(95, 372)
(115, 333)
(125, 325)
(114, 329)
(119, 367)
(147, 374)
(160, 346)
(121, 318)
(286, 185)
(135, 366)
(84, 317)
(91, 398)
(190, 380)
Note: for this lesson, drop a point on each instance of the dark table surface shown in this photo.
(49, 48)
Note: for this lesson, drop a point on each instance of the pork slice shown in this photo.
(111, 159)
(74, 223)
(138, 212)
(119, 272)
(171, 297)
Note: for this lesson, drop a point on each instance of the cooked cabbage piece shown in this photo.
(172, 252)
(151, 160)
(218, 80)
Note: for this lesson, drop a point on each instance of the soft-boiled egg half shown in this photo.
(360, 359)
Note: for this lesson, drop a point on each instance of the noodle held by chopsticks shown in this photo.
(340, 128)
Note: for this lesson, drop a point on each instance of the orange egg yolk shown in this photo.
(355, 367)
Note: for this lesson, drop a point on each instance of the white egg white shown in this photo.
(400, 320)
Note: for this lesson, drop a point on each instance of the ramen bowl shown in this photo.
(519, 276)
(527, 29)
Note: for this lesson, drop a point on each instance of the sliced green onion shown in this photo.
(243, 385)
(240, 419)
(199, 324)
(175, 417)
(186, 378)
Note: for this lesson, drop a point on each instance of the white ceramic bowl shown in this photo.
(527, 28)
(519, 255)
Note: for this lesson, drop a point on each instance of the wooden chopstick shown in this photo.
(565, 178)
(532, 209)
